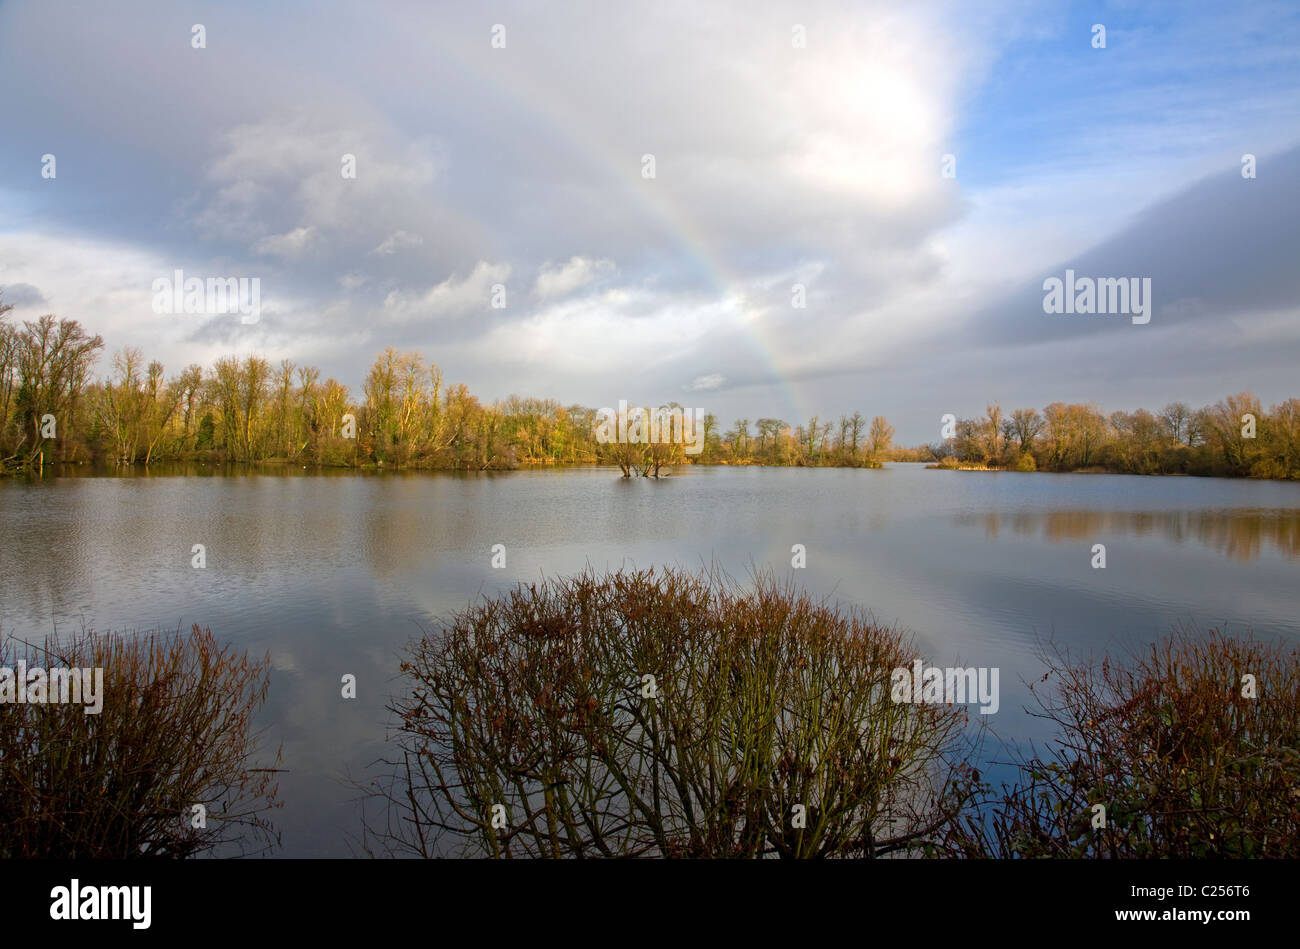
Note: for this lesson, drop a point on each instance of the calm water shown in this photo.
(333, 574)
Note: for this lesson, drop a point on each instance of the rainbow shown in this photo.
(656, 203)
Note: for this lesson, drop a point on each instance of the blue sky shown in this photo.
(775, 166)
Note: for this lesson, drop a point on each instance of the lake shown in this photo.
(334, 573)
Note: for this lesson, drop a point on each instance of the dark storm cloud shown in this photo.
(1222, 249)
(22, 296)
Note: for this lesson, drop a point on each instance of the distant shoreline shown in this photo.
(1097, 470)
(219, 468)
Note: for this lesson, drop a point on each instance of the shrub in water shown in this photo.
(1192, 750)
(174, 731)
(666, 714)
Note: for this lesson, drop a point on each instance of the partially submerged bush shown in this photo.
(661, 713)
(174, 731)
(1185, 762)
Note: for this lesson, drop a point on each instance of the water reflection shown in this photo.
(1239, 535)
(332, 572)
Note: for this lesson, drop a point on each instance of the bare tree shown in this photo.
(857, 426)
(256, 373)
(880, 438)
(53, 361)
(1025, 425)
(162, 400)
(1176, 416)
(993, 429)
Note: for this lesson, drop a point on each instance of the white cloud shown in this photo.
(451, 297)
(291, 245)
(707, 383)
(107, 287)
(578, 272)
(398, 240)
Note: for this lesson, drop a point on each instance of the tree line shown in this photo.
(406, 415)
(249, 410)
(1234, 437)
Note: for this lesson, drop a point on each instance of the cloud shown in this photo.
(775, 165)
(450, 298)
(398, 240)
(563, 280)
(707, 383)
(290, 245)
(22, 296)
(1218, 250)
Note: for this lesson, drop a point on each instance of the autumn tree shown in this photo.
(52, 360)
(1025, 424)
(993, 431)
(879, 438)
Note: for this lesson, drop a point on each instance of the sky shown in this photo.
(516, 157)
